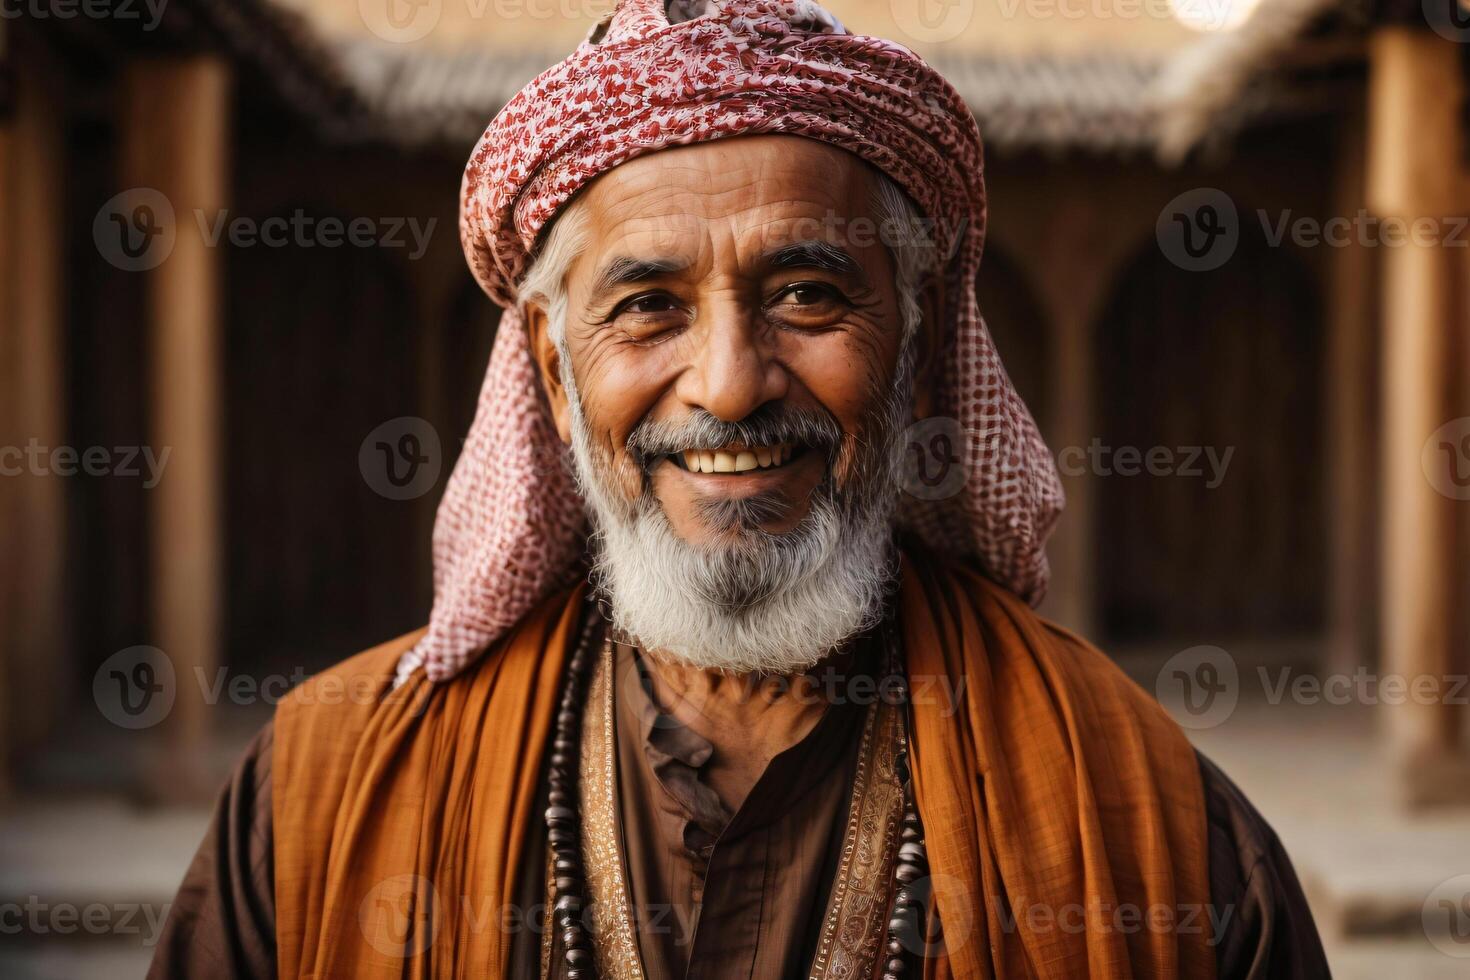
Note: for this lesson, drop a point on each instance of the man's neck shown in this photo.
(748, 718)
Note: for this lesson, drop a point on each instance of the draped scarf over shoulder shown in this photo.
(1062, 808)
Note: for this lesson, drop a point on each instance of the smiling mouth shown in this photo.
(737, 459)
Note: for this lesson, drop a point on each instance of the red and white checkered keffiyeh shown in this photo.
(511, 525)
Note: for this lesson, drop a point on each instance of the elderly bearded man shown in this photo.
(738, 248)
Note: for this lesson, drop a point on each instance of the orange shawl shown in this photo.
(1062, 808)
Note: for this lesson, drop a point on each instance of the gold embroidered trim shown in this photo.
(855, 927)
(546, 920)
(610, 908)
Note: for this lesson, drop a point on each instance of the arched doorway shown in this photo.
(1221, 371)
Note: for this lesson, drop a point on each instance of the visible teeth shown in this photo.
(736, 461)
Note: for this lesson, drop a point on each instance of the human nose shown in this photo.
(733, 373)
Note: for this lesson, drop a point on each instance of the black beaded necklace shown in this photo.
(564, 835)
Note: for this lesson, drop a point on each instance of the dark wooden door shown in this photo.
(1223, 361)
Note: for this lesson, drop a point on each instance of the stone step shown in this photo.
(1373, 871)
(97, 850)
(1394, 960)
(85, 885)
(69, 959)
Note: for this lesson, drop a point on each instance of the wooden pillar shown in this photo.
(32, 409)
(1083, 237)
(9, 504)
(1351, 436)
(1072, 550)
(176, 141)
(1415, 144)
(9, 607)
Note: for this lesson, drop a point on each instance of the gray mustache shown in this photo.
(771, 423)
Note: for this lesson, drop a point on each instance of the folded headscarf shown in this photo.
(511, 527)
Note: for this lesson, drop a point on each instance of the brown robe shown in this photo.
(1265, 928)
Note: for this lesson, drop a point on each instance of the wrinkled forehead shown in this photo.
(751, 194)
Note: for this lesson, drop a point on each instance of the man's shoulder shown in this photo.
(333, 707)
(359, 679)
(1237, 828)
(349, 694)
(1263, 923)
(321, 725)
(1009, 618)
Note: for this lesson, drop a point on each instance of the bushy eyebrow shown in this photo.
(811, 254)
(624, 270)
(815, 254)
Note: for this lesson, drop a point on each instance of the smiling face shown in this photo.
(734, 337)
(724, 281)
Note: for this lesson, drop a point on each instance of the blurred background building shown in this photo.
(230, 271)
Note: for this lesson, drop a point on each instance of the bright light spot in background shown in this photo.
(1213, 15)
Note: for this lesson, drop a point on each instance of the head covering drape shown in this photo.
(511, 526)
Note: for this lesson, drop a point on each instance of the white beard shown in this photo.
(770, 603)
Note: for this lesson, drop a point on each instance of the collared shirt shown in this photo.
(724, 893)
(222, 923)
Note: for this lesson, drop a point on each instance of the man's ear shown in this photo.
(548, 362)
(926, 346)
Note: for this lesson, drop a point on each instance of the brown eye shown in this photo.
(651, 303)
(808, 305)
(808, 294)
(648, 317)
(645, 304)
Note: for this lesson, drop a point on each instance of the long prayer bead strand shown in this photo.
(565, 837)
(912, 865)
(563, 824)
